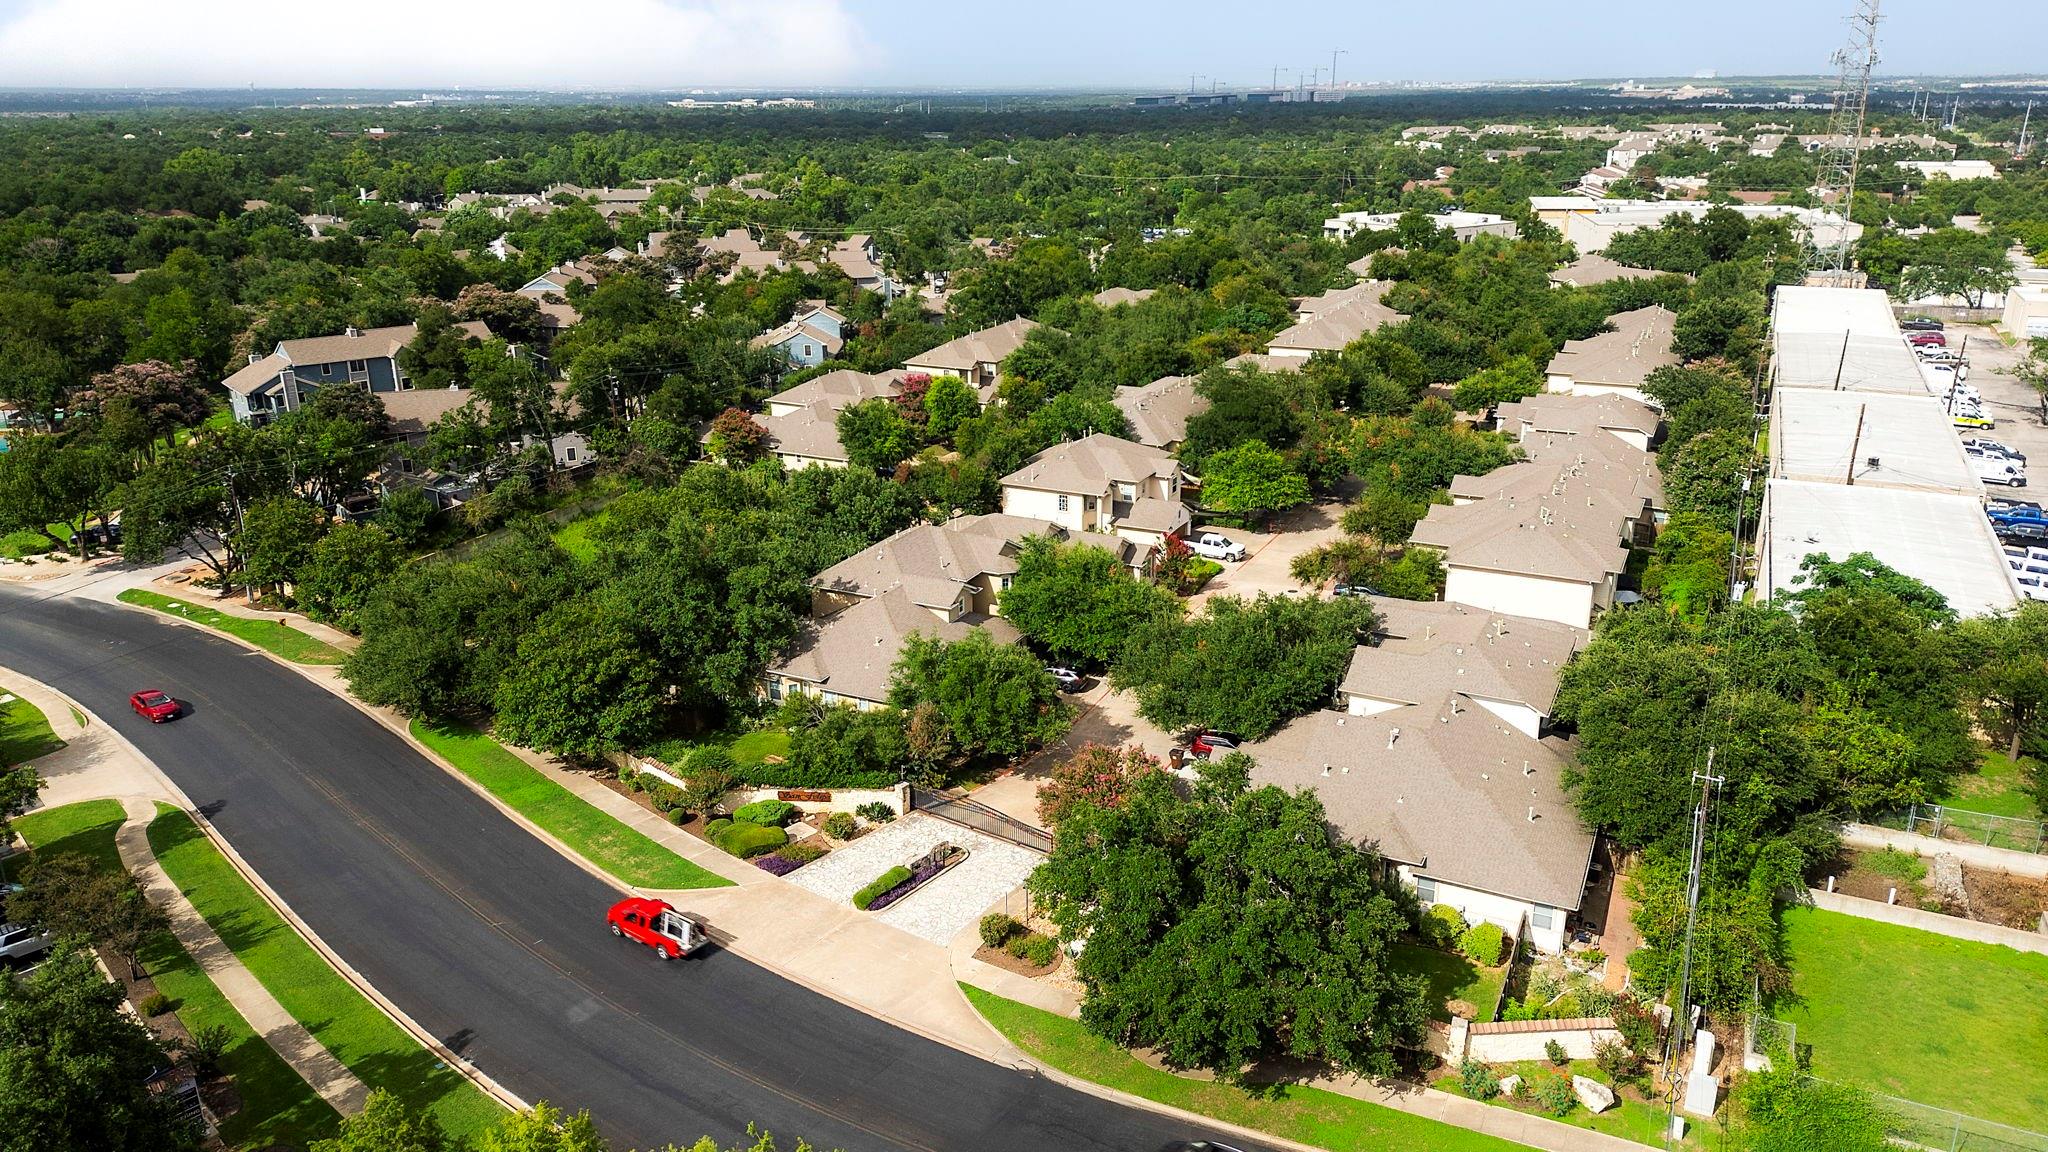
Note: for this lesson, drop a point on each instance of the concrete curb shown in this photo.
(398, 1015)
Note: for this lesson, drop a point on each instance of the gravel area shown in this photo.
(941, 909)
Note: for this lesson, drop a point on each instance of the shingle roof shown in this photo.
(1562, 412)
(1594, 268)
(1639, 345)
(1427, 650)
(1334, 327)
(1091, 464)
(935, 563)
(840, 388)
(853, 652)
(367, 343)
(1159, 411)
(1111, 297)
(795, 329)
(414, 411)
(1451, 793)
(256, 374)
(1153, 514)
(811, 431)
(988, 346)
(1536, 519)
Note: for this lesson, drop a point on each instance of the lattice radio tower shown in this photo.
(1827, 255)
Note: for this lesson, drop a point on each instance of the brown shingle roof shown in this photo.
(853, 652)
(840, 388)
(1427, 650)
(1159, 411)
(1639, 345)
(1091, 464)
(1450, 793)
(988, 346)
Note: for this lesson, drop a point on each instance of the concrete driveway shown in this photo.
(1272, 555)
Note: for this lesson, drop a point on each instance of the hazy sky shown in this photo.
(967, 43)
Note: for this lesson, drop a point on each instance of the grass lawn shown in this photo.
(749, 749)
(1309, 1115)
(1998, 788)
(345, 1022)
(1452, 977)
(25, 733)
(574, 538)
(277, 1105)
(1629, 1119)
(271, 636)
(595, 835)
(1925, 1017)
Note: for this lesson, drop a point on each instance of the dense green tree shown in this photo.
(1225, 928)
(73, 896)
(544, 1128)
(74, 1066)
(875, 434)
(1252, 478)
(1688, 568)
(2007, 682)
(1498, 385)
(386, 1125)
(582, 683)
(1244, 405)
(1782, 1109)
(1705, 476)
(1245, 666)
(947, 402)
(995, 698)
(277, 538)
(1080, 602)
(343, 569)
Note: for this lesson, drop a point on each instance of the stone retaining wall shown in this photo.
(2031, 864)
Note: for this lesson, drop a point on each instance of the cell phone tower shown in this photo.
(1827, 244)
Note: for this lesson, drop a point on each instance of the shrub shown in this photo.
(803, 851)
(666, 797)
(636, 780)
(627, 775)
(1554, 1052)
(708, 758)
(876, 812)
(1892, 864)
(840, 825)
(1555, 1095)
(678, 817)
(1565, 1007)
(776, 864)
(879, 885)
(1637, 1026)
(1441, 926)
(716, 828)
(1482, 943)
(1616, 1061)
(207, 1046)
(710, 775)
(746, 840)
(767, 813)
(1478, 1081)
(154, 1004)
(25, 543)
(1035, 948)
(996, 927)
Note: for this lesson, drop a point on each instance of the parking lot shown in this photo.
(2015, 406)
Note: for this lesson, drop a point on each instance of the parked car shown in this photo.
(1972, 421)
(1925, 338)
(98, 536)
(20, 941)
(2021, 531)
(1068, 679)
(1215, 546)
(1207, 742)
(2000, 471)
(656, 924)
(1987, 444)
(153, 705)
(1920, 324)
(1342, 589)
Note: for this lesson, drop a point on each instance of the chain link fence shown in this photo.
(1945, 823)
(1925, 1126)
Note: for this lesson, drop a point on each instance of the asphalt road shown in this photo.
(496, 944)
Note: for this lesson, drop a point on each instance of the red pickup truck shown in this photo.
(656, 924)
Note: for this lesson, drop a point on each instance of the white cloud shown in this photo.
(424, 44)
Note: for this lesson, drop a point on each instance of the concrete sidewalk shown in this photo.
(94, 763)
(289, 1038)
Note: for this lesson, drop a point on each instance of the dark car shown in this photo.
(1921, 324)
(153, 705)
(1355, 590)
(2031, 532)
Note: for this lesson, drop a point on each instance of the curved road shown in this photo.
(494, 943)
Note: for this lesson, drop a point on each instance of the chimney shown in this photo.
(254, 357)
(1392, 735)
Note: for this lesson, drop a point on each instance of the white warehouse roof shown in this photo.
(1868, 439)
(1941, 539)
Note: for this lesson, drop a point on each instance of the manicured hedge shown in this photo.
(881, 884)
(770, 813)
(747, 841)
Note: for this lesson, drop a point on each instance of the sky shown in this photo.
(1123, 44)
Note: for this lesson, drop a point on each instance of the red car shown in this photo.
(153, 705)
(1927, 339)
(656, 924)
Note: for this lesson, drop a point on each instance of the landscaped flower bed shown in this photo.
(789, 858)
(899, 882)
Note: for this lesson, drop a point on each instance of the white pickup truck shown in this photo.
(1215, 546)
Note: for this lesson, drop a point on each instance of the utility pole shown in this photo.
(241, 529)
(1681, 1012)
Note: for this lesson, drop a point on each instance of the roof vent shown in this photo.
(1526, 770)
(1393, 735)
(1532, 814)
(1326, 771)
(352, 331)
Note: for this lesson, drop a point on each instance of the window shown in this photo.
(1425, 889)
(1542, 916)
(1063, 503)
(569, 454)
(327, 369)
(1005, 585)
(807, 349)
(358, 366)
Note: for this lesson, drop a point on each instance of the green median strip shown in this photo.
(25, 733)
(278, 1106)
(1307, 1115)
(591, 833)
(269, 635)
(346, 1023)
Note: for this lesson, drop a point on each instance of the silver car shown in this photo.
(19, 941)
